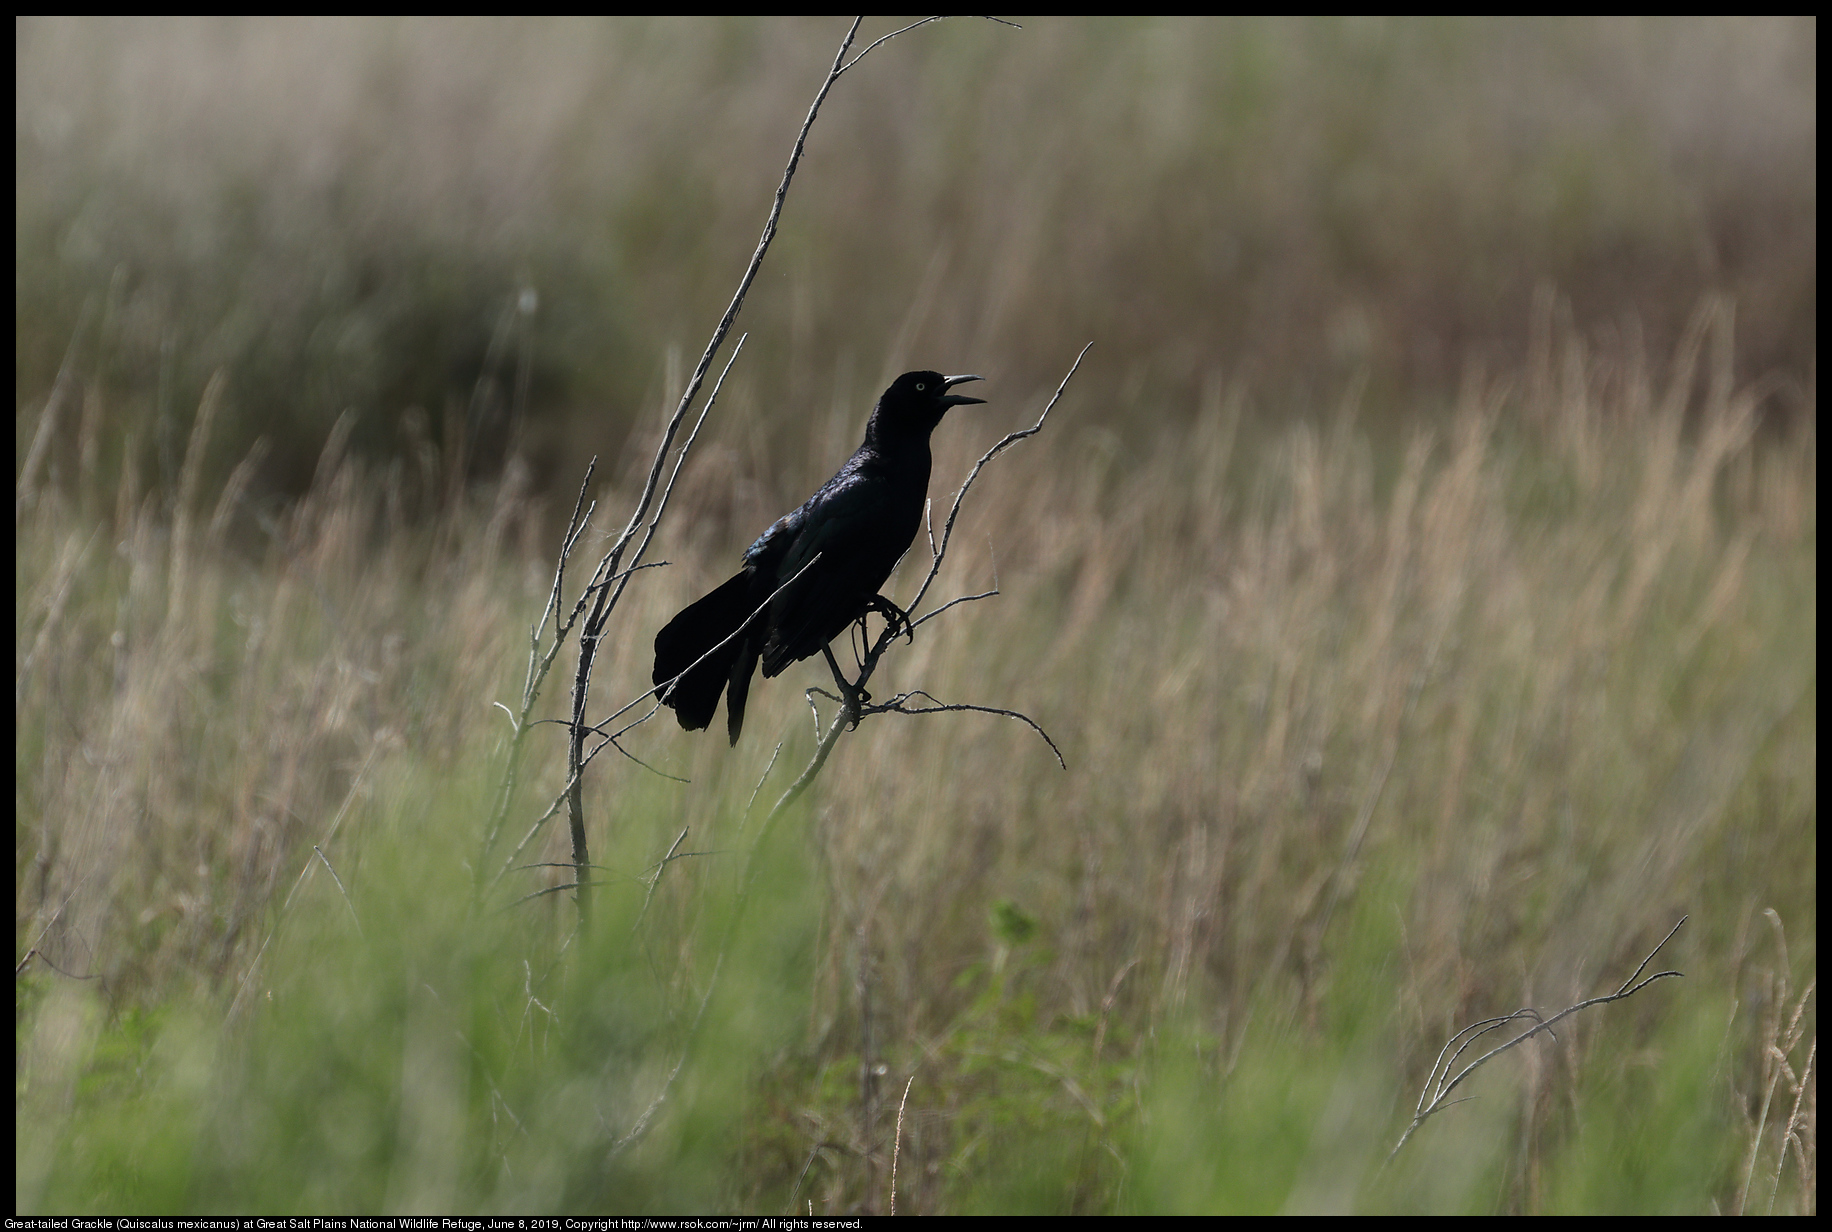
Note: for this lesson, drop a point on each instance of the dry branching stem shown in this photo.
(1441, 1082)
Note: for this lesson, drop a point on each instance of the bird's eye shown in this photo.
(920, 387)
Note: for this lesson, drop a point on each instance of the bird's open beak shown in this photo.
(960, 399)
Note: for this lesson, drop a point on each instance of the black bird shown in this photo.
(859, 525)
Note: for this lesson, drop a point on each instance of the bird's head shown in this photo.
(916, 401)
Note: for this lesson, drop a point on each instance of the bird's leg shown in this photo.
(893, 616)
(853, 697)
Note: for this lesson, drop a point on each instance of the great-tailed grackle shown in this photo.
(838, 548)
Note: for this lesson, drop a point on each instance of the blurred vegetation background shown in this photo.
(1420, 579)
(347, 214)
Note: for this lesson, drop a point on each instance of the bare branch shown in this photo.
(1439, 1083)
(571, 885)
(1629, 985)
(648, 714)
(913, 25)
(23, 963)
(612, 742)
(896, 706)
(887, 38)
(606, 599)
(984, 594)
(761, 779)
(575, 526)
(533, 829)
(522, 868)
(654, 881)
(340, 888)
(538, 667)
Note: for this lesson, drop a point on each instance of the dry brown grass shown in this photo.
(1429, 731)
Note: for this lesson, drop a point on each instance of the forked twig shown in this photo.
(933, 613)
(1440, 1082)
(896, 705)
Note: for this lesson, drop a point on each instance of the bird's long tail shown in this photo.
(699, 627)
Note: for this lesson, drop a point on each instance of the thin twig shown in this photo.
(813, 1153)
(521, 868)
(896, 706)
(562, 629)
(680, 459)
(571, 885)
(887, 38)
(533, 829)
(761, 780)
(23, 963)
(984, 594)
(656, 880)
(613, 742)
(925, 21)
(1438, 1085)
(340, 889)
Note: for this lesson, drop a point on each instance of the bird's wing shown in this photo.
(845, 509)
(848, 523)
(844, 524)
(773, 544)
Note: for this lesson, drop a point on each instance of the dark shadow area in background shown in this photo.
(476, 217)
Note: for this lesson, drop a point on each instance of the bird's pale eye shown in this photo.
(920, 387)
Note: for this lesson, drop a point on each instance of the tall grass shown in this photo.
(1366, 739)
